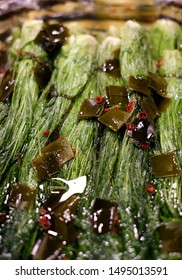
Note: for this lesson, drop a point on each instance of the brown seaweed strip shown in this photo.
(139, 84)
(114, 119)
(164, 165)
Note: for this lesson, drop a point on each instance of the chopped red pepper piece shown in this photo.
(115, 226)
(150, 188)
(130, 106)
(130, 126)
(116, 107)
(44, 222)
(46, 133)
(144, 145)
(99, 99)
(159, 63)
(107, 109)
(142, 115)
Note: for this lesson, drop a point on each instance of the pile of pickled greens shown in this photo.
(90, 142)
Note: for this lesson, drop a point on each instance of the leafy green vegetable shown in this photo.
(25, 96)
(134, 40)
(78, 64)
(164, 35)
(108, 50)
(120, 179)
(172, 63)
(172, 70)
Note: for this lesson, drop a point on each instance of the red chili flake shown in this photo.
(144, 145)
(98, 99)
(116, 218)
(44, 222)
(130, 106)
(115, 226)
(130, 126)
(150, 188)
(3, 218)
(142, 115)
(159, 63)
(46, 133)
(107, 109)
(116, 107)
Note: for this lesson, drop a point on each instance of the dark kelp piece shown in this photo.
(53, 200)
(159, 86)
(3, 218)
(62, 228)
(46, 247)
(43, 168)
(53, 157)
(111, 67)
(102, 216)
(60, 148)
(164, 165)
(21, 196)
(6, 86)
(170, 235)
(148, 105)
(162, 103)
(90, 109)
(52, 36)
(66, 230)
(3, 58)
(143, 131)
(117, 95)
(68, 206)
(114, 119)
(139, 84)
(157, 83)
(54, 134)
(64, 217)
(42, 74)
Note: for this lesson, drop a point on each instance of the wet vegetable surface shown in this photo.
(90, 143)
